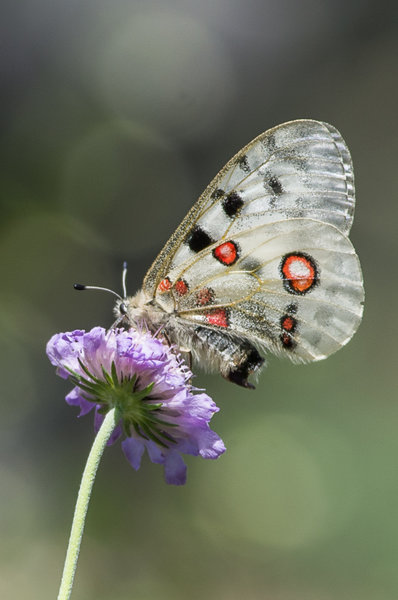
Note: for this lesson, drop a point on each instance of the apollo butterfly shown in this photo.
(262, 262)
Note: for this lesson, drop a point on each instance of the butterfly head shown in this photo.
(138, 309)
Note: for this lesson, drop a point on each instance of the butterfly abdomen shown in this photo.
(236, 359)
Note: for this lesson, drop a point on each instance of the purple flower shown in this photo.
(149, 384)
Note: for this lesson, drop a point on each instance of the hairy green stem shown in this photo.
(83, 498)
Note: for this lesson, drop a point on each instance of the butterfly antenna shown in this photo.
(80, 286)
(124, 275)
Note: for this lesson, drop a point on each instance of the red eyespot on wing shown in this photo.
(164, 285)
(288, 323)
(299, 273)
(287, 341)
(204, 296)
(181, 287)
(218, 316)
(227, 253)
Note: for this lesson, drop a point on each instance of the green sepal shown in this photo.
(168, 437)
(130, 383)
(142, 394)
(114, 374)
(93, 400)
(136, 429)
(153, 406)
(126, 428)
(107, 377)
(155, 419)
(151, 435)
(85, 385)
(87, 372)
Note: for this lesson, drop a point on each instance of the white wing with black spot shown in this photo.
(264, 254)
(298, 169)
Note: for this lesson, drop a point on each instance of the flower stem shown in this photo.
(83, 498)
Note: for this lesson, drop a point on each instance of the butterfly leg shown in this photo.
(187, 356)
(185, 352)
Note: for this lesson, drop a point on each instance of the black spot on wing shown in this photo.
(198, 239)
(275, 185)
(232, 204)
(243, 163)
(269, 144)
(292, 308)
(288, 324)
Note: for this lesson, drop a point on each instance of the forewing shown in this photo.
(301, 169)
(293, 286)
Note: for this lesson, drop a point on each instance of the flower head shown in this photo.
(145, 380)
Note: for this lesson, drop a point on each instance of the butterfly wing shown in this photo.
(293, 286)
(298, 169)
(263, 256)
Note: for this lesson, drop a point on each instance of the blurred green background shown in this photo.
(115, 116)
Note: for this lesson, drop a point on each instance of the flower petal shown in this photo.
(98, 419)
(133, 449)
(64, 349)
(75, 399)
(99, 350)
(210, 445)
(116, 434)
(175, 470)
(155, 452)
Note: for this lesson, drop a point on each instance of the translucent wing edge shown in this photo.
(346, 161)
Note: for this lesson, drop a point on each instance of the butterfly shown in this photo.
(262, 262)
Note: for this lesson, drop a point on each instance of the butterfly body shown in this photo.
(262, 262)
